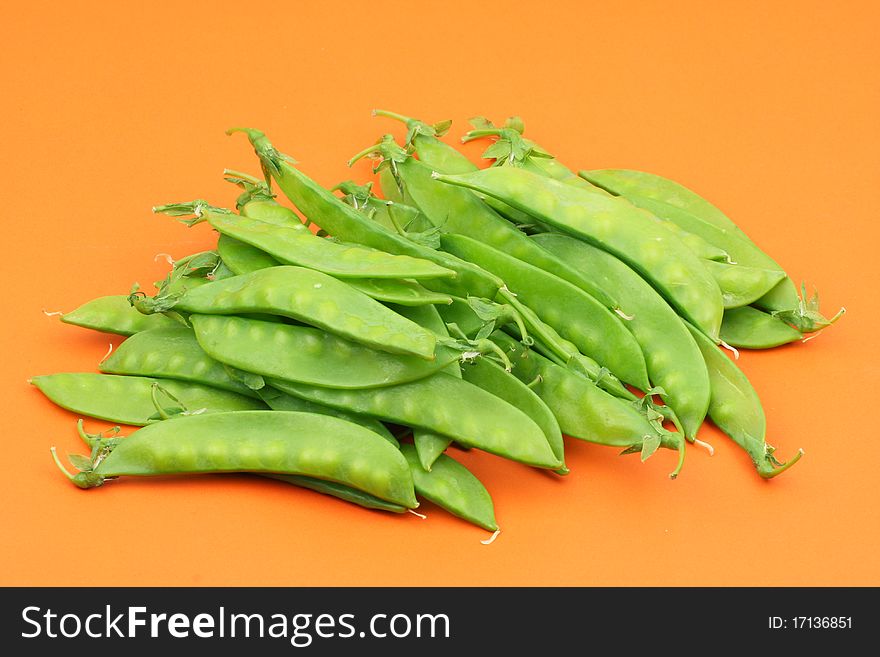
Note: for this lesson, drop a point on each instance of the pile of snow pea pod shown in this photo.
(343, 341)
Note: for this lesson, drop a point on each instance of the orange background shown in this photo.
(768, 109)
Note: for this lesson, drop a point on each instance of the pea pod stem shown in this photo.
(681, 452)
(61, 465)
(392, 115)
(768, 472)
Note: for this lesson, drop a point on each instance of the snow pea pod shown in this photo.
(279, 401)
(308, 296)
(673, 360)
(243, 258)
(511, 149)
(114, 314)
(297, 245)
(429, 444)
(452, 487)
(130, 399)
(741, 285)
(492, 378)
(573, 313)
(625, 182)
(171, 353)
(308, 355)
(741, 250)
(751, 328)
(585, 411)
(281, 442)
(736, 409)
(339, 491)
(457, 210)
(446, 405)
(404, 293)
(615, 226)
(347, 224)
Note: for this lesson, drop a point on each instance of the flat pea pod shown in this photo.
(697, 245)
(171, 353)
(278, 401)
(492, 378)
(452, 487)
(751, 328)
(673, 360)
(308, 296)
(446, 405)
(736, 409)
(347, 224)
(243, 258)
(613, 225)
(456, 210)
(741, 250)
(114, 314)
(573, 313)
(129, 399)
(339, 491)
(624, 182)
(429, 444)
(583, 410)
(297, 245)
(402, 292)
(741, 285)
(280, 442)
(308, 355)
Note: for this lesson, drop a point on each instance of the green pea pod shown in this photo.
(308, 296)
(452, 487)
(171, 353)
(585, 411)
(577, 316)
(308, 355)
(279, 442)
(736, 409)
(741, 250)
(297, 245)
(492, 378)
(459, 211)
(278, 401)
(130, 399)
(339, 491)
(446, 405)
(673, 360)
(114, 314)
(429, 444)
(613, 225)
(626, 182)
(347, 224)
(404, 293)
(751, 328)
(243, 258)
(741, 285)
